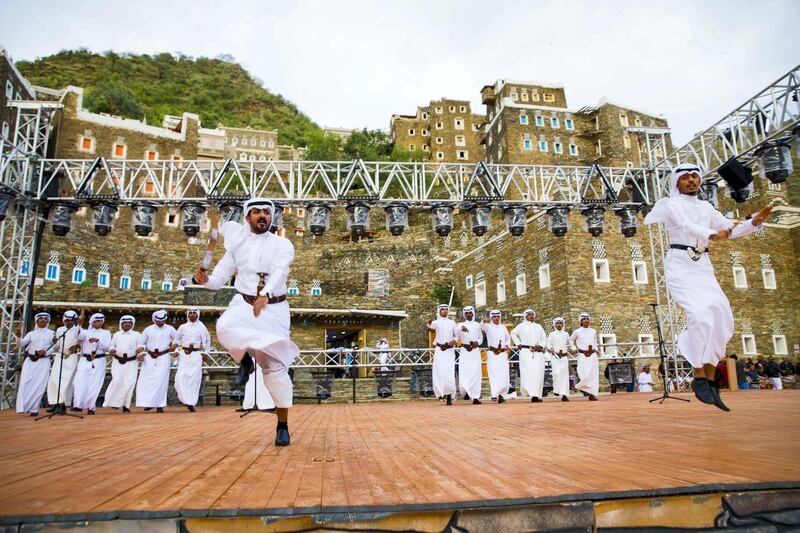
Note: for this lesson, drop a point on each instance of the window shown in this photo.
(542, 146)
(779, 345)
(549, 97)
(554, 122)
(244, 141)
(499, 126)
(124, 282)
(292, 291)
(544, 276)
(569, 124)
(646, 340)
(539, 120)
(459, 123)
(316, 291)
(439, 125)
(78, 275)
(411, 131)
(626, 140)
(523, 119)
(573, 149)
(171, 220)
(9, 90)
(514, 97)
(145, 284)
(526, 144)
(608, 344)
(557, 148)
(119, 150)
(461, 140)
(425, 148)
(440, 155)
(150, 155)
(623, 120)
(768, 275)
(462, 155)
(462, 109)
(412, 148)
(739, 277)
(439, 140)
(639, 273)
(452, 109)
(242, 157)
(601, 271)
(424, 132)
(468, 281)
(262, 143)
(522, 287)
(25, 267)
(86, 144)
(271, 144)
(637, 121)
(424, 115)
(480, 293)
(102, 280)
(52, 272)
(501, 291)
(524, 97)
(748, 344)
(438, 110)
(535, 97)
(235, 141)
(166, 286)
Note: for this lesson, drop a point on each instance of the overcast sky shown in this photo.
(355, 63)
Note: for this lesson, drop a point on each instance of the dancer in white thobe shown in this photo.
(193, 340)
(66, 353)
(256, 395)
(558, 347)
(124, 366)
(470, 375)
(91, 372)
(498, 341)
(444, 355)
(33, 378)
(691, 223)
(157, 342)
(383, 353)
(531, 340)
(645, 380)
(257, 322)
(584, 340)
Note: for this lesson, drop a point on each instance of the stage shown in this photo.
(419, 460)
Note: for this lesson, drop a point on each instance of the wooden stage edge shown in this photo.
(394, 457)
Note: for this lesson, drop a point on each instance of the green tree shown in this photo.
(114, 99)
(324, 147)
(441, 295)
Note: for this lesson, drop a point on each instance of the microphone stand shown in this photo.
(663, 351)
(58, 410)
(253, 378)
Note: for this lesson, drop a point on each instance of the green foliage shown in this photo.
(369, 145)
(322, 147)
(115, 99)
(218, 90)
(441, 295)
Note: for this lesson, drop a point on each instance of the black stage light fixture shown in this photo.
(595, 219)
(776, 160)
(231, 211)
(628, 222)
(358, 219)
(62, 217)
(738, 177)
(5, 203)
(192, 214)
(319, 219)
(144, 218)
(709, 191)
(442, 219)
(558, 220)
(480, 217)
(276, 223)
(397, 218)
(515, 217)
(103, 214)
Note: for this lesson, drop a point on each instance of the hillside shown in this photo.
(137, 86)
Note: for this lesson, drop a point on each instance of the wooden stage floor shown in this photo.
(422, 455)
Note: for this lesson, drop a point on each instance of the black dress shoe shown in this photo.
(534, 399)
(126, 410)
(148, 408)
(476, 401)
(52, 409)
(245, 368)
(90, 412)
(702, 391)
(282, 437)
(159, 410)
(592, 398)
(35, 413)
(449, 400)
(564, 398)
(75, 409)
(191, 408)
(241, 410)
(717, 399)
(466, 397)
(500, 399)
(268, 410)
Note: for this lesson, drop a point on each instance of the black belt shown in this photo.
(524, 346)
(444, 346)
(686, 247)
(90, 357)
(467, 347)
(274, 300)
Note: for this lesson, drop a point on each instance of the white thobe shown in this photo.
(531, 364)
(151, 389)
(588, 367)
(470, 375)
(645, 382)
(90, 375)
(65, 366)
(558, 343)
(444, 361)
(497, 364)
(709, 319)
(123, 376)
(189, 375)
(256, 393)
(265, 337)
(383, 355)
(33, 378)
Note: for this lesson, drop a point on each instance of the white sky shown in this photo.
(355, 63)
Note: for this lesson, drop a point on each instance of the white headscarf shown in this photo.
(495, 312)
(42, 315)
(70, 315)
(236, 233)
(193, 309)
(442, 306)
(584, 315)
(559, 319)
(527, 312)
(260, 203)
(469, 309)
(161, 314)
(126, 318)
(97, 316)
(680, 170)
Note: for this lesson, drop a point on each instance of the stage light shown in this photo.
(143, 219)
(796, 137)
(558, 220)
(516, 219)
(62, 216)
(323, 383)
(709, 191)
(595, 219)
(276, 222)
(385, 382)
(319, 219)
(628, 222)
(738, 177)
(5, 203)
(231, 212)
(442, 219)
(192, 215)
(480, 218)
(776, 161)
(397, 218)
(103, 218)
(357, 219)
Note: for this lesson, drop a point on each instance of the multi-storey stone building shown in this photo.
(13, 86)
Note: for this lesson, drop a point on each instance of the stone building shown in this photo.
(446, 131)
(13, 86)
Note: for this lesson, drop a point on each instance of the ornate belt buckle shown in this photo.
(693, 254)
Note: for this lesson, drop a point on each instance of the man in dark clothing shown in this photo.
(741, 378)
(773, 371)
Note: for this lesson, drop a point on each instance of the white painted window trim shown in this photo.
(83, 275)
(648, 339)
(643, 268)
(480, 289)
(521, 284)
(501, 291)
(600, 267)
(770, 281)
(468, 281)
(166, 286)
(739, 272)
(779, 345)
(544, 276)
(103, 276)
(47, 275)
(146, 284)
(606, 339)
(122, 279)
(745, 344)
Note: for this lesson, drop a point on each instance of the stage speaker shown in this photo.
(738, 177)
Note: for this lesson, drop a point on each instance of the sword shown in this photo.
(212, 242)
